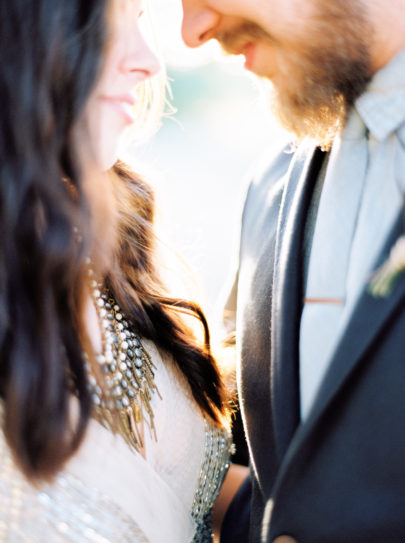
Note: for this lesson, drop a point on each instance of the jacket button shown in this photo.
(285, 539)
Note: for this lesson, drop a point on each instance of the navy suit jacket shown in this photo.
(340, 475)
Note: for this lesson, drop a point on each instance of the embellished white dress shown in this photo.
(109, 493)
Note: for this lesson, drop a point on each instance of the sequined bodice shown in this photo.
(66, 511)
(109, 493)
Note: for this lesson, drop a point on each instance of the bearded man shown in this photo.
(320, 289)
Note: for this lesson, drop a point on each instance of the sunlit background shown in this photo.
(200, 160)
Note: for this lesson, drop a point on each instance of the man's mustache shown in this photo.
(233, 41)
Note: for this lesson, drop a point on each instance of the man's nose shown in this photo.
(199, 24)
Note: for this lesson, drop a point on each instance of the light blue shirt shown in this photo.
(361, 197)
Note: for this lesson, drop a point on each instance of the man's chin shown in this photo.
(305, 122)
(261, 72)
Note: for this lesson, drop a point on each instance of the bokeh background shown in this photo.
(201, 159)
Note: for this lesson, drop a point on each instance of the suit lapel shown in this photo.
(367, 321)
(287, 295)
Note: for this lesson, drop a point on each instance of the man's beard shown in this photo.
(320, 76)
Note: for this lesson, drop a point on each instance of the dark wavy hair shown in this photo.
(50, 56)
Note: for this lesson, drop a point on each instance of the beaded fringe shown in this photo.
(124, 405)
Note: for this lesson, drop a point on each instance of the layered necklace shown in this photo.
(124, 403)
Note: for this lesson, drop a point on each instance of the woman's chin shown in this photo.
(105, 161)
(108, 165)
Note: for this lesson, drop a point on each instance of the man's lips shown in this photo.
(247, 50)
(249, 54)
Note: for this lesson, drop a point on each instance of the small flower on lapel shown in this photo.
(384, 279)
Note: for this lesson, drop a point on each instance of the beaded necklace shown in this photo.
(129, 373)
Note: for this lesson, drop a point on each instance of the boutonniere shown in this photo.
(384, 279)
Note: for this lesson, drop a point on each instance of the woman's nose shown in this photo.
(199, 24)
(139, 58)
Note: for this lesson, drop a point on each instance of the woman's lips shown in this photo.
(123, 104)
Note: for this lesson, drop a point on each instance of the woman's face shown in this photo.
(128, 61)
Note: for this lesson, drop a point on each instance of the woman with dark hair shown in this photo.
(112, 413)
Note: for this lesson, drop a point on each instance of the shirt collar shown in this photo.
(382, 106)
